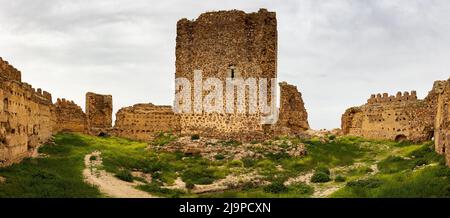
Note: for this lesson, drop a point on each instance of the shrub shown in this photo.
(163, 138)
(320, 177)
(125, 175)
(323, 169)
(195, 137)
(368, 183)
(219, 157)
(235, 163)
(340, 178)
(302, 189)
(199, 175)
(276, 187)
(248, 162)
(190, 185)
(331, 137)
(420, 162)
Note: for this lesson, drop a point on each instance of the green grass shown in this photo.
(59, 175)
(405, 169)
(405, 177)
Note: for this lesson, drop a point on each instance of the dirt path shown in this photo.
(106, 182)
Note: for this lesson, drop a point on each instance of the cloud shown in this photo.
(337, 52)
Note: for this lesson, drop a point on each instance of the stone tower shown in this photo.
(98, 112)
(227, 44)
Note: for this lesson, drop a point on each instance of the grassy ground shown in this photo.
(355, 167)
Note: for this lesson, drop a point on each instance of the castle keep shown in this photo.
(237, 47)
(226, 44)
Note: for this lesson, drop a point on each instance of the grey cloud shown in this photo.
(337, 52)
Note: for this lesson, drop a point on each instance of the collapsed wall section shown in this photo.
(98, 113)
(143, 121)
(70, 117)
(293, 117)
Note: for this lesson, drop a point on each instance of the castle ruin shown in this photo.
(143, 121)
(403, 117)
(98, 113)
(27, 116)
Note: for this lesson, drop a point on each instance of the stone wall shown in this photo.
(226, 44)
(98, 112)
(27, 116)
(400, 117)
(9, 72)
(442, 124)
(293, 117)
(69, 116)
(143, 121)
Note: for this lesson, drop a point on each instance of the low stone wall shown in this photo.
(143, 121)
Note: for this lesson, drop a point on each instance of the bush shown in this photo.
(199, 175)
(340, 178)
(235, 163)
(163, 138)
(249, 162)
(320, 177)
(190, 185)
(301, 189)
(219, 157)
(275, 188)
(420, 162)
(368, 183)
(323, 169)
(331, 137)
(125, 175)
(195, 137)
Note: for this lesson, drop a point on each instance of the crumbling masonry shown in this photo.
(233, 45)
(28, 117)
(403, 117)
(224, 44)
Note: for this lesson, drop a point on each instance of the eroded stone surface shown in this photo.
(400, 117)
(99, 113)
(227, 44)
(69, 116)
(293, 117)
(27, 116)
(442, 124)
(143, 121)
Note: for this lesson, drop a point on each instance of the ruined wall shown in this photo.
(226, 44)
(442, 124)
(293, 117)
(143, 121)
(9, 72)
(400, 117)
(27, 116)
(98, 112)
(69, 116)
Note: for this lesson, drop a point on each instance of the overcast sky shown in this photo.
(336, 52)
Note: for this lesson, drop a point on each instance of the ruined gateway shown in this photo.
(222, 44)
